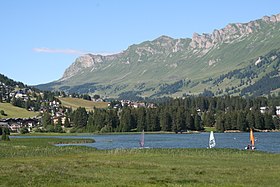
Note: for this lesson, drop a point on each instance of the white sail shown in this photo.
(212, 142)
(142, 141)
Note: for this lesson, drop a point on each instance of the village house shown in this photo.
(278, 111)
(15, 124)
(264, 109)
(63, 119)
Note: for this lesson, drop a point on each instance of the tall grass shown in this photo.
(36, 162)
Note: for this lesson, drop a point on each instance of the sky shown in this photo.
(39, 39)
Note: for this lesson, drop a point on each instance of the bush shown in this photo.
(24, 130)
(39, 130)
(5, 137)
(5, 133)
(2, 112)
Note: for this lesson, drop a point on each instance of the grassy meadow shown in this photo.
(78, 102)
(36, 162)
(15, 112)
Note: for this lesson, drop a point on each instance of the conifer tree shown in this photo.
(241, 121)
(250, 119)
(165, 121)
(141, 119)
(197, 122)
(90, 123)
(220, 122)
(189, 121)
(66, 122)
(80, 117)
(259, 121)
(126, 120)
(268, 122)
(46, 119)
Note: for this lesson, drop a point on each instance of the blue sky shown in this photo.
(41, 38)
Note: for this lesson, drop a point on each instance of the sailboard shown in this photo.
(212, 142)
(251, 146)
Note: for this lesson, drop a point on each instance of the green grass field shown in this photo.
(36, 162)
(77, 102)
(15, 112)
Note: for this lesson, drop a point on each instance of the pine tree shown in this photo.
(268, 122)
(250, 119)
(58, 126)
(180, 119)
(189, 121)
(276, 122)
(197, 122)
(66, 122)
(165, 121)
(46, 119)
(141, 119)
(220, 122)
(5, 134)
(90, 123)
(259, 121)
(80, 118)
(154, 120)
(241, 121)
(126, 120)
(233, 120)
(209, 119)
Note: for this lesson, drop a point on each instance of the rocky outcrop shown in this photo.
(272, 19)
(86, 61)
(80, 63)
(225, 35)
(229, 33)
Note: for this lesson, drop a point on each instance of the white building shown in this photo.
(278, 110)
(263, 109)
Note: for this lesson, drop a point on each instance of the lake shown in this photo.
(264, 141)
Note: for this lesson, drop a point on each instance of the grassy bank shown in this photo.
(36, 162)
(15, 112)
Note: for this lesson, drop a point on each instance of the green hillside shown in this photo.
(175, 67)
(15, 112)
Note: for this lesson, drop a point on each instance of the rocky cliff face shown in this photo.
(229, 33)
(86, 61)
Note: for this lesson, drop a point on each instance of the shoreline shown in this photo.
(127, 133)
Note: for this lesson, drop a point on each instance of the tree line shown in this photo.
(183, 114)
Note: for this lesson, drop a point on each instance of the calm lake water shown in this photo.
(265, 141)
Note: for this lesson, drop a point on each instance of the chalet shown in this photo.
(14, 127)
(54, 104)
(278, 111)
(14, 124)
(139, 105)
(29, 123)
(264, 109)
(63, 119)
(98, 100)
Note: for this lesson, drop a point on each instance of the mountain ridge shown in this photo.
(171, 60)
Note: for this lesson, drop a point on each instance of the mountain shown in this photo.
(239, 59)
